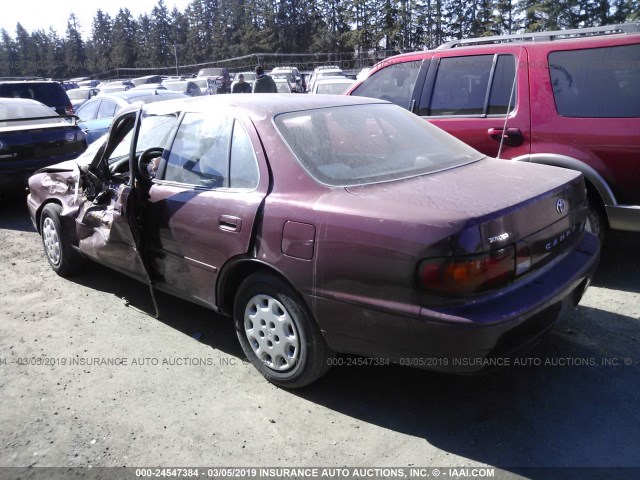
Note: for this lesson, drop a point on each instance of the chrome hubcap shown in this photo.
(272, 333)
(51, 240)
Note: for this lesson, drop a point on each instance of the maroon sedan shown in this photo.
(325, 224)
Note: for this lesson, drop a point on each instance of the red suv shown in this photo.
(567, 98)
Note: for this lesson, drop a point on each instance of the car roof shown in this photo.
(323, 80)
(11, 102)
(132, 95)
(258, 106)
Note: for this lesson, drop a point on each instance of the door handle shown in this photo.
(229, 223)
(510, 136)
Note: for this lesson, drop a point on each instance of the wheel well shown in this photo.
(596, 201)
(39, 211)
(236, 274)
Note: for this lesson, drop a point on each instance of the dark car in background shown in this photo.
(95, 116)
(566, 98)
(31, 137)
(50, 93)
(326, 223)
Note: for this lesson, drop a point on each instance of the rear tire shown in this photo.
(596, 220)
(56, 239)
(278, 333)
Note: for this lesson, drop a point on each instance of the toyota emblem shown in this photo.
(561, 205)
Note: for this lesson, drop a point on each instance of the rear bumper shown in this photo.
(463, 338)
(15, 174)
(624, 217)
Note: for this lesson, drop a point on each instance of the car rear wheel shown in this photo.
(64, 260)
(278, 334)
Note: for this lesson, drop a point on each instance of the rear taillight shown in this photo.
(69, 109)
(468, 275)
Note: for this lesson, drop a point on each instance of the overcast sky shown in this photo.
(35, 14)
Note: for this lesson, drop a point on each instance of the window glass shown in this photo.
(394, 83)
(244, 165)
(501, 100)
(461, 85)
(597, 82)
(88, 111)
(360, 144)
(200, 152)
(154, 132)
(107, 109)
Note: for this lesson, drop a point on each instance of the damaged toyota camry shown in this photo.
(325, 224)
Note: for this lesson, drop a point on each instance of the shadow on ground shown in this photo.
(573, 403)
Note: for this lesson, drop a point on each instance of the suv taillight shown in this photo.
(470, 274)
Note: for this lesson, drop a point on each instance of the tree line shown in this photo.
(214, 30)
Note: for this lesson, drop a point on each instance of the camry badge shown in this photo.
(561, 205)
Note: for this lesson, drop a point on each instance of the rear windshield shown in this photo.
(333, 88)
(360, 144)
(26, 112)
(77, 94)
(51, 94)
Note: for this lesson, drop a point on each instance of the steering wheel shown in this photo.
(145, 158)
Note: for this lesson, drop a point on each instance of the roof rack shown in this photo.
(546, 36)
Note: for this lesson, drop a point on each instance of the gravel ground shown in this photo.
(182, 394)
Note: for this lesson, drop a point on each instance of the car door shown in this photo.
(204, 204)
(474, 98)
(108, 220)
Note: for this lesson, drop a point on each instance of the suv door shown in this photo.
(475, 98)
(204, 203)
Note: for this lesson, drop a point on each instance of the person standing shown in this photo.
(264, 83)
(241, 86)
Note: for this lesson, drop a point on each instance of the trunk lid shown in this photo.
(57, 141)
(499, 203)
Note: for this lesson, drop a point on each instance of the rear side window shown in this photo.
(107, 109)
(244, 165)
(88, 111)
(473, 85)
(597, 82)
(394, 83)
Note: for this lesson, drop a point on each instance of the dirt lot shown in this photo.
(182, 395)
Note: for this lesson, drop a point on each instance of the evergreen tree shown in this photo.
(101, 42)
(8, 55)
(74, 52)
(160, 47)
(123, 40)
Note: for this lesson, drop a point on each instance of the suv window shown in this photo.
(394, 83)
(597, 82)
(462, 84)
